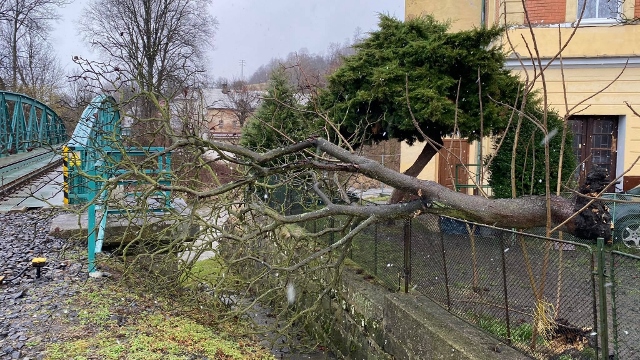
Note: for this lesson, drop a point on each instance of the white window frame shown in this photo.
(599, 20)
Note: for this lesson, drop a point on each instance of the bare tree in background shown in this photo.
(41, 74)
(308, 69)
(26, 23)
(28, 62)
(241, 98)
(77, 92)
(158, 45)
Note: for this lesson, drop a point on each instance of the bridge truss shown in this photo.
(27, 124)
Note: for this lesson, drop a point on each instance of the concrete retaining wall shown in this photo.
(365, 321)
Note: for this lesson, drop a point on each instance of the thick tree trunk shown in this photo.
(521, 213)
(427, 153)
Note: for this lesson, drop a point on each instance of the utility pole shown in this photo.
(242, 63)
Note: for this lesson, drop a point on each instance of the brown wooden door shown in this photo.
(454, 152)
(595, 143)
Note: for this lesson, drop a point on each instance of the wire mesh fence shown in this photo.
(537, 294)
(625, 304)
(625, 211)
(551, 298)
(379, 249)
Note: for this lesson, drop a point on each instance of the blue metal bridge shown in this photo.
(27, 124)
(94, 159)
(96, 162)
(30, 135)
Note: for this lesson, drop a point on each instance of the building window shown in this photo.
(599, 9)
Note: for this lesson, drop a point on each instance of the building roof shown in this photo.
(217, 99)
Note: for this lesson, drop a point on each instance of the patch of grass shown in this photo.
(460, 285)
(383, 259)
(206, 270)
(619, 246)
(589, 353)
(77, 349)
(97, 316)
(32, 343)
(497, 327)
(114, 322)
(565, 357)
(377, 199)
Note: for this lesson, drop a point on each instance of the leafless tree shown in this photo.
(25, 26)
(305, 68)
(40, 72)
(158, 44)
(241, 98)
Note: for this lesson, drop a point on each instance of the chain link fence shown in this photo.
(625, 305)
(562, 298)
(537, 294)
(625, 212)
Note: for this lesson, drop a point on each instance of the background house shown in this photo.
(602, 58)
(215, 113)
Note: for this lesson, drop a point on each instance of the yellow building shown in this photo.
(599, 62)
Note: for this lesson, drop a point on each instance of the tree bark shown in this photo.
(427, 153)
(521, 213)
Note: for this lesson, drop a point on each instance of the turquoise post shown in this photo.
(91, 226)
(103, 222)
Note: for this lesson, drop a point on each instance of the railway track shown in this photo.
(21, 179)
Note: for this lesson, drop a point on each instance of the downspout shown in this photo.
(483, 24)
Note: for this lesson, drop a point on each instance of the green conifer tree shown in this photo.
(529, 160)
(279, 120)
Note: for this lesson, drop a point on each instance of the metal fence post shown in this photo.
(504, 288)
(375, 250)
(444, 268)
(614, 315)
(594, 298)
(407, 254)
(604, 326)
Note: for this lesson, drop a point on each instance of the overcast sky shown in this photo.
(256, 30)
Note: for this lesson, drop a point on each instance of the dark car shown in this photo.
(625, 212)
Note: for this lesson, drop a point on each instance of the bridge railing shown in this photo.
(107, 175)
(96, 162)
(97, 132)
(26, 124)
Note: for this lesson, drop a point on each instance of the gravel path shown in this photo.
(28, 303)
(36, 312)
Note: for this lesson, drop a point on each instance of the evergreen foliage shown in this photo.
(278, 121)
(530, 168)
(418, 58)
(367, 95)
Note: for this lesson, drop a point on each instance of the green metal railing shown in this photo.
(460, 184)
(26, 124)
(96, 162)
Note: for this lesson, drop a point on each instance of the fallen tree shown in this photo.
(587, 219)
